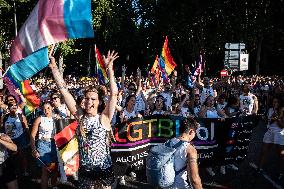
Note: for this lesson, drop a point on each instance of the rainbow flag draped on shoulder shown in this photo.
(51, 21)
(101, 68)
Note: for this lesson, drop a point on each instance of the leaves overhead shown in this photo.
(137, 28)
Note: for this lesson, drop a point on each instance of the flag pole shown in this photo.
(5, 71)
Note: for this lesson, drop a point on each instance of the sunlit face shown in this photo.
(91, 102)
(13, 109)
(11, 100)
(47, 109)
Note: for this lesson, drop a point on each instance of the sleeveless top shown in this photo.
(129, 115)
(212, 113)
(180, 156)
(246, 102)
(46, 129)
(205, 93)
(94, 148)
(62, 110)
(3, 154)
(13, 127)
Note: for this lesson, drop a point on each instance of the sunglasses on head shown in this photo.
(54, 97)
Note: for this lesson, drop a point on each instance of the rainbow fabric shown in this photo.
(51, 21)
(101, 68)
(32, 101)
(166, 61)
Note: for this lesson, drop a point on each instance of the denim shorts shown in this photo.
(47, 152)
(22, 141)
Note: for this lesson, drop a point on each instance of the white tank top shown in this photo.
(212, 113)
(3, 154)
(129, 115)
(46, 129)
(13, 127)
(180, 162)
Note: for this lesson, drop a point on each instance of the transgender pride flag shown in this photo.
(51, 21)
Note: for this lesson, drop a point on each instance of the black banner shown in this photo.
(218, 142)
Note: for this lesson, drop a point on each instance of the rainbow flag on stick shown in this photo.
(32, 100)
(101, 68)
(166, 60)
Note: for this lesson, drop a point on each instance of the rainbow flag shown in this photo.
(101, 68)
(167, 62)
(32, 100)
(51, 21)
(155, 65)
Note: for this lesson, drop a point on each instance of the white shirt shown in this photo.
(3, 153)
(139, 104)
(205, 93)
(46, 128)
(180, 157)
(168, 100)
(13, 127)
(246, 103)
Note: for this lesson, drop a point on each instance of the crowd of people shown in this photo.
(98, 107)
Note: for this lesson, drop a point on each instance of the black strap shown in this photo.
(182, 169)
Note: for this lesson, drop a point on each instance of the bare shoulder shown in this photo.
(191, 151)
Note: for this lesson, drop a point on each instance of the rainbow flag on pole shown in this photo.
(101, 68)
(32, 100)
(166, 61)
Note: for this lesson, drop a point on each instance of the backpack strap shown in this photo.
(168, 144)
(181, 170)
(179, 143)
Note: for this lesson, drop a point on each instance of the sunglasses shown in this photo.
(55, 97)
(132, 89)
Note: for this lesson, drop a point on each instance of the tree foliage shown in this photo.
(137, 29)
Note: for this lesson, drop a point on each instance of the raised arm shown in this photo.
(23, 99)
(111, 104)
(68, 98)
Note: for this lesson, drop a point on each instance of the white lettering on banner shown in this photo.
(138, 163)
(130, 159)
(204, 130)
(205, 155)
